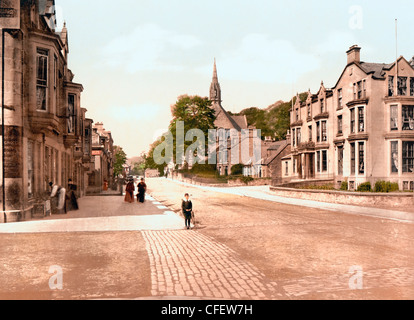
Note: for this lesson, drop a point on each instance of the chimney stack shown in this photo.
(354, 54)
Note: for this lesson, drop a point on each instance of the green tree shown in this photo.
(120, 160)
(196, 113)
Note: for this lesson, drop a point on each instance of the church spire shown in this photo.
(215, 90)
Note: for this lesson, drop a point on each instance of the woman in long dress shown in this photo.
(142, 189)
(129, 194)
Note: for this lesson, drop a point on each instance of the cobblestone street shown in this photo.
(187, 264)
(240, 248)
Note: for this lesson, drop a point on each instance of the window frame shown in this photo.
(42, 78)
(407, 157)
(394, 146)
(361, 158)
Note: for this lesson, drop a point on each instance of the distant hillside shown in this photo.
(274, 121)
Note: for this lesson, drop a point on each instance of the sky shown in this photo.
(136, 57)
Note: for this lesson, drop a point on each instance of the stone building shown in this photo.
(46, 134)
(234, 135)
(102, 168)
(361, 130)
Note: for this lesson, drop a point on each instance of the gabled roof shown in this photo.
(279, 146)
(376, 69)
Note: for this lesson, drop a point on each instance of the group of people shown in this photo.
(62, 200)
(130, 189)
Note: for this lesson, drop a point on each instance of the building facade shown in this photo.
(361, 130)
(46, 132)
(101, 175)
(236, 140)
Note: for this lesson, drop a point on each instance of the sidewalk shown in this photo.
(99, 214)
(264, 193)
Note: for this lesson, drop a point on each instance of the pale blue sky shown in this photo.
(135, 58)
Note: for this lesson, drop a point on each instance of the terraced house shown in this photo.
(361, 130)
(47, 137)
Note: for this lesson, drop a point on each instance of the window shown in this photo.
(359, 87)
(294, 137)
(340, 128)
(394, 157)
(412, 87)
(322, 105)
(297, 114)
(355, 91)
(364, 89)
(30, 169)
(41, 79)
(361, 165)
(390, 86)
(294, 165)
(286, 168)
(324, 131)
(318, 132)
(408, 156)
(352, 120)
(408, 117)
(71, 114)
(324, 161)
(361, 119)
(310, 133)
(299, 135)
(402, 86)
(340, 160)
(340, 99)
(309, 111)
(353, 156)
(394, 117)
(318, 161)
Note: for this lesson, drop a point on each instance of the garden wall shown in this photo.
(392, 200)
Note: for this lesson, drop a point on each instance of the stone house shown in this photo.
(361, 130)
(44, 125)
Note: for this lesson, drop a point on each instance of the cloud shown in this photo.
(261, 59)
(148, 48)
(337, 41)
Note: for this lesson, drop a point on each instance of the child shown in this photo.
(187, 207)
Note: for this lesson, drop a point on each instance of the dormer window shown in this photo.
(310, 110)
(390, 86)
(340, 99)
(412, 87)
(297, 114)
(402, 86)
(322, 105)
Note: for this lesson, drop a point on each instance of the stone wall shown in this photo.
(392, 200)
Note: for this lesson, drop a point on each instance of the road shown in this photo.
(240, 248)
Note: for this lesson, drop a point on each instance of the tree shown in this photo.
(120, 160)
(195, 113)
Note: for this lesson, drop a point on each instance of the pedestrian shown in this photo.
(129, 194)
(58, 198)
(73, 201)
(142, 189)
(187, 207)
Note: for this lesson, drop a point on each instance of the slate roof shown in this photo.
(376, 69)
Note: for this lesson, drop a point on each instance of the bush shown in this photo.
(237, 170)
(365, 187)
(344, 186)
(246, 180)
(386, 186)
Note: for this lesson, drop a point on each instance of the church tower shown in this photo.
(215, 90)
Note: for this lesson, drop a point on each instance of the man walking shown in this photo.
(187, 207)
